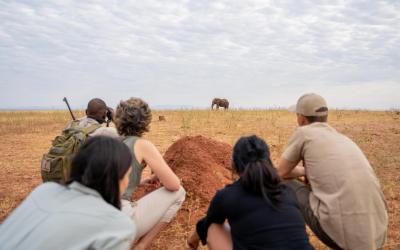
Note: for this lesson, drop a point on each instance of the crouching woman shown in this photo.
(156, 209)
(84, 213)
(261, 211)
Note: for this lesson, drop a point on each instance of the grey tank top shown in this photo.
(137, 168)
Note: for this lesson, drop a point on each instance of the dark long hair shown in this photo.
(100, 164)
(251, 160)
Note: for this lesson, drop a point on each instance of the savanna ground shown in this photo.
(26, 135)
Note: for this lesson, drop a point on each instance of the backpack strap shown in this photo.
(74, 124)
(129, 141)
(90, 129)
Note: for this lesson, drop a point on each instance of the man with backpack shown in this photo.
(97, 113)
(56, 164)
(343, 205)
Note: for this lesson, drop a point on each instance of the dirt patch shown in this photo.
(202, 164)
(26, 135)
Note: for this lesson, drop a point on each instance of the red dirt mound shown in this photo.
(203, 165)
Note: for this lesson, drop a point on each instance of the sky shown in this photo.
(184, 53)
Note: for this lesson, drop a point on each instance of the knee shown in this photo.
(215, 228)
(181, 194)
(178, 197)
(219, 236)
(182, 191)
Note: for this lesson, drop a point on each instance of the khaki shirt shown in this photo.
(346, 195)
(105, 131)
(66, 217)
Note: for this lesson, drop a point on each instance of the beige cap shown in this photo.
(310, 105)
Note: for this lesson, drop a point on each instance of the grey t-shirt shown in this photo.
(66, 217)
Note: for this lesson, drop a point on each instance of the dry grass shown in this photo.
(26, 135)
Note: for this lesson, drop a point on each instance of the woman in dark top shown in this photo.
(261, 211)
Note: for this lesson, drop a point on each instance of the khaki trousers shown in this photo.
(160, 205)
(303, 193)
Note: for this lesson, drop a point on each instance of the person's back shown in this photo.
(85, 122)
(344, 205)
(83, 213)
(66, 217)
(345, 191)
(261, 211)
(155, 210)
(56, 163)
(96, 114)
(257, 224)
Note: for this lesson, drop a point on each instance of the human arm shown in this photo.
(293, 154)
(216, 214)
(290, 170)
(147, 152)
(151, 180)
(193, 241)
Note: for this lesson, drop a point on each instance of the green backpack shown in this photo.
(56, 164)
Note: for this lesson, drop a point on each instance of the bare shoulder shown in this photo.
(144, 142)
(145, 145)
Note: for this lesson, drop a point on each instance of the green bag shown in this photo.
(56, 164)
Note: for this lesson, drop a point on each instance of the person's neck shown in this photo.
(99, 120)
(310, 123)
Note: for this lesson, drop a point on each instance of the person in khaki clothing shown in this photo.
(97, 113)
(343, 205)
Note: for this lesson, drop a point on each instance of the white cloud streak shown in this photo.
(256, 53)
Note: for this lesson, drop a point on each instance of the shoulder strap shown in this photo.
(134, 178)
(130, 141)
(74, 124)
(90, 129)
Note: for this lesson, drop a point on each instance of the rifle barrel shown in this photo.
(69, 108)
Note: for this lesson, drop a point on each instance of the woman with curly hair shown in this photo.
(156, 209)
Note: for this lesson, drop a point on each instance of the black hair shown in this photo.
(251, 160)
(100, 164)
(96, 109)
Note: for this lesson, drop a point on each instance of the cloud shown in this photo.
(187, 52)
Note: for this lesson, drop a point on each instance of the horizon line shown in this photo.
(185, 108)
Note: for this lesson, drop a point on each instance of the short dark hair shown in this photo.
(133, 117)
(312, 119)
(251, 160)
(95, 106)
(100, 164)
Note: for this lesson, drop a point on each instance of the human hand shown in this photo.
(149, 181)
(110, 114)
(193, 241)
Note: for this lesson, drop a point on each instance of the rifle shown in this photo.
(69, 108)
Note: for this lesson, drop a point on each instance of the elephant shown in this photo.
(224, 103)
